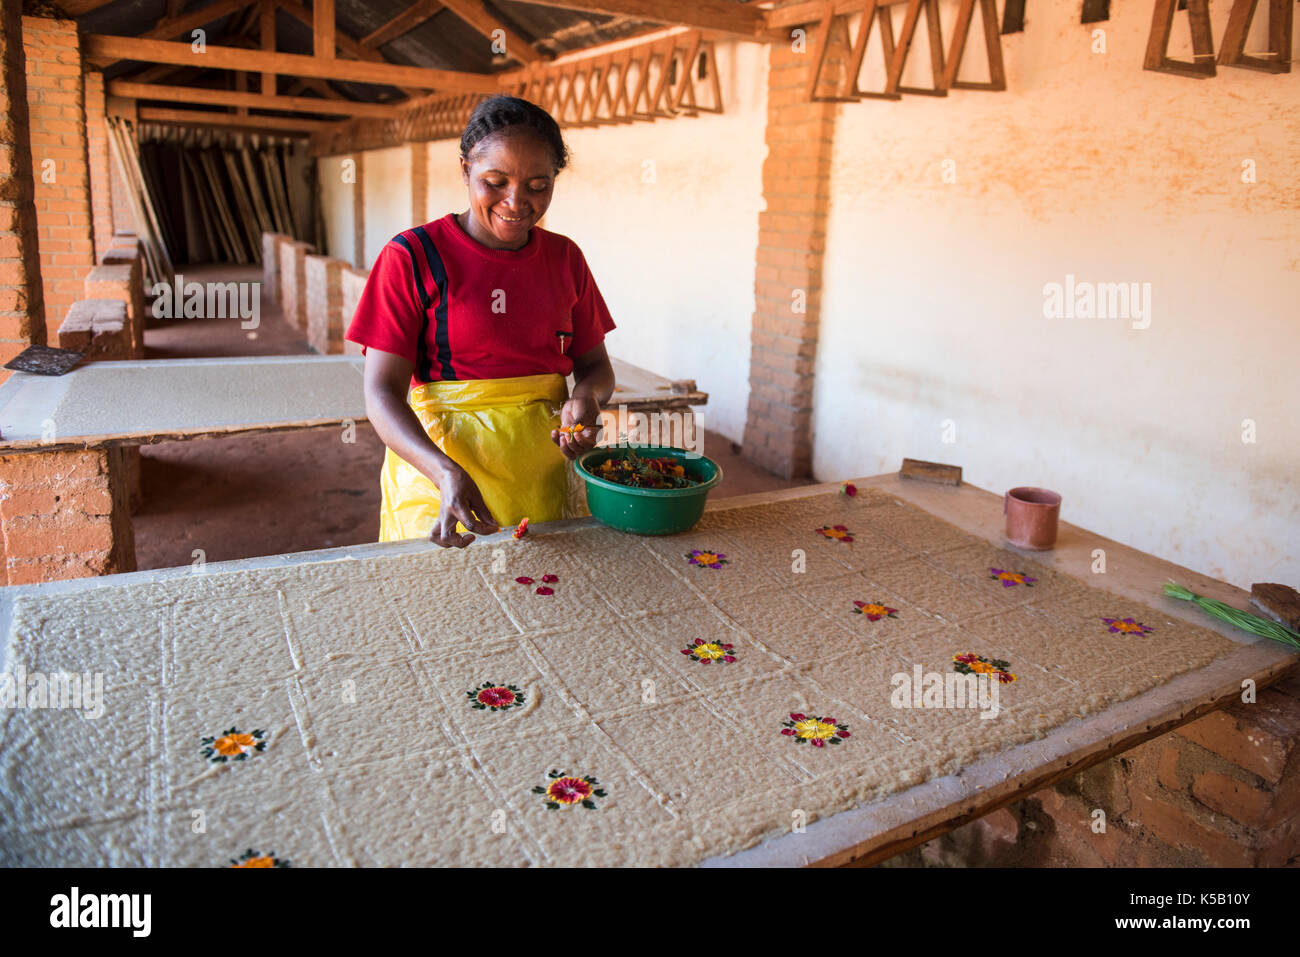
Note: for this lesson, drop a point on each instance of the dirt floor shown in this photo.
(269, 494)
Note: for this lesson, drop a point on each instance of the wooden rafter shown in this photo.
(403, 23)
(1277, 58)
(474, 13)
(322, 12)
(720, 15)
(233, 58)
(170, 28)
(1162, 22)
(345, 43)
(75, 8)
(283, 125)
(811, 11)
(260, 101)
(266, 37)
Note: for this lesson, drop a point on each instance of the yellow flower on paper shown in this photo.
(812, 728)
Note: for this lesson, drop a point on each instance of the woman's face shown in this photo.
(510, 176)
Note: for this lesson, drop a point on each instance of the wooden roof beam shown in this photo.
(801, 14)
(322, 12)
(170, 29)
(477, 16)
(234, 58)
(259, 101)
(736, 19)
(403, 23)
(255, 124)
(344, 42)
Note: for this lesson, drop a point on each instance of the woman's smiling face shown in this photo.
(510, 176)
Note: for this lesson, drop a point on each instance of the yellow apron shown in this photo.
(497, 430)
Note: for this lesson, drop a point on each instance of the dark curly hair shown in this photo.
(498, 113)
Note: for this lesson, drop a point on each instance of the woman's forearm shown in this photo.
(595, 381)
(399, 428)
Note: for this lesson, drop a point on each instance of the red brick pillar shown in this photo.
(65, 515)
(419, 183)
(352, 283)
(55, 102)
(359, 212)
(101, 193)
(22, 297)
(788, 269)
(324, 294)
(292, 259)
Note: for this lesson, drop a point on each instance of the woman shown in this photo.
(480, 315)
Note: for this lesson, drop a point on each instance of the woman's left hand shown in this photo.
(579, 410)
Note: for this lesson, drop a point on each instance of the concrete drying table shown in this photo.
(869, 832)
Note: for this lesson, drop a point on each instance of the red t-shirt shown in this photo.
(462, 310)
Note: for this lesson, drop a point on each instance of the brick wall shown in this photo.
(65, 515)
(101, 199)
(323, 276)
(55, 102)
(352, 282)
(22, 297)
(788, 269)
(1222, 791)
(291, 257)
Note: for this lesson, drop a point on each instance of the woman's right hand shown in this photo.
(461, 501)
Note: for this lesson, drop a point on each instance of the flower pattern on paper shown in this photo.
(815, 730)
(251, 858)
(709, 651)
(542, 589)
(1127, 626)
(567, 790)
(1011, 579)
(836, 533)
(874, 610)
(972, 664)
(702, 558)
(495, 697)
(233, 745)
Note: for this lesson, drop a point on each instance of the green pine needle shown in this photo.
(1245, 620)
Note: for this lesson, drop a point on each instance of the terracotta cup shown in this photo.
(1032, 515)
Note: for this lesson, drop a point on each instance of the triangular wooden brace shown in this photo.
(1162, 22)
(992, 45)
(899, 60)
(1277, 58)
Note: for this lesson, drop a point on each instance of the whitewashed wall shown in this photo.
(387, 197)
(1091, 167)
(337, 208)
(674, 258)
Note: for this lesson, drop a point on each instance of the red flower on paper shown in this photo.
(849, 489)
(543, 590)
(874, 610)
(838, 533)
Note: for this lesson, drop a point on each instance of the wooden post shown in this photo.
(267, 36)
(323, 26)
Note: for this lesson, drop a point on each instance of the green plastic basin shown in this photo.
(648, 511)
